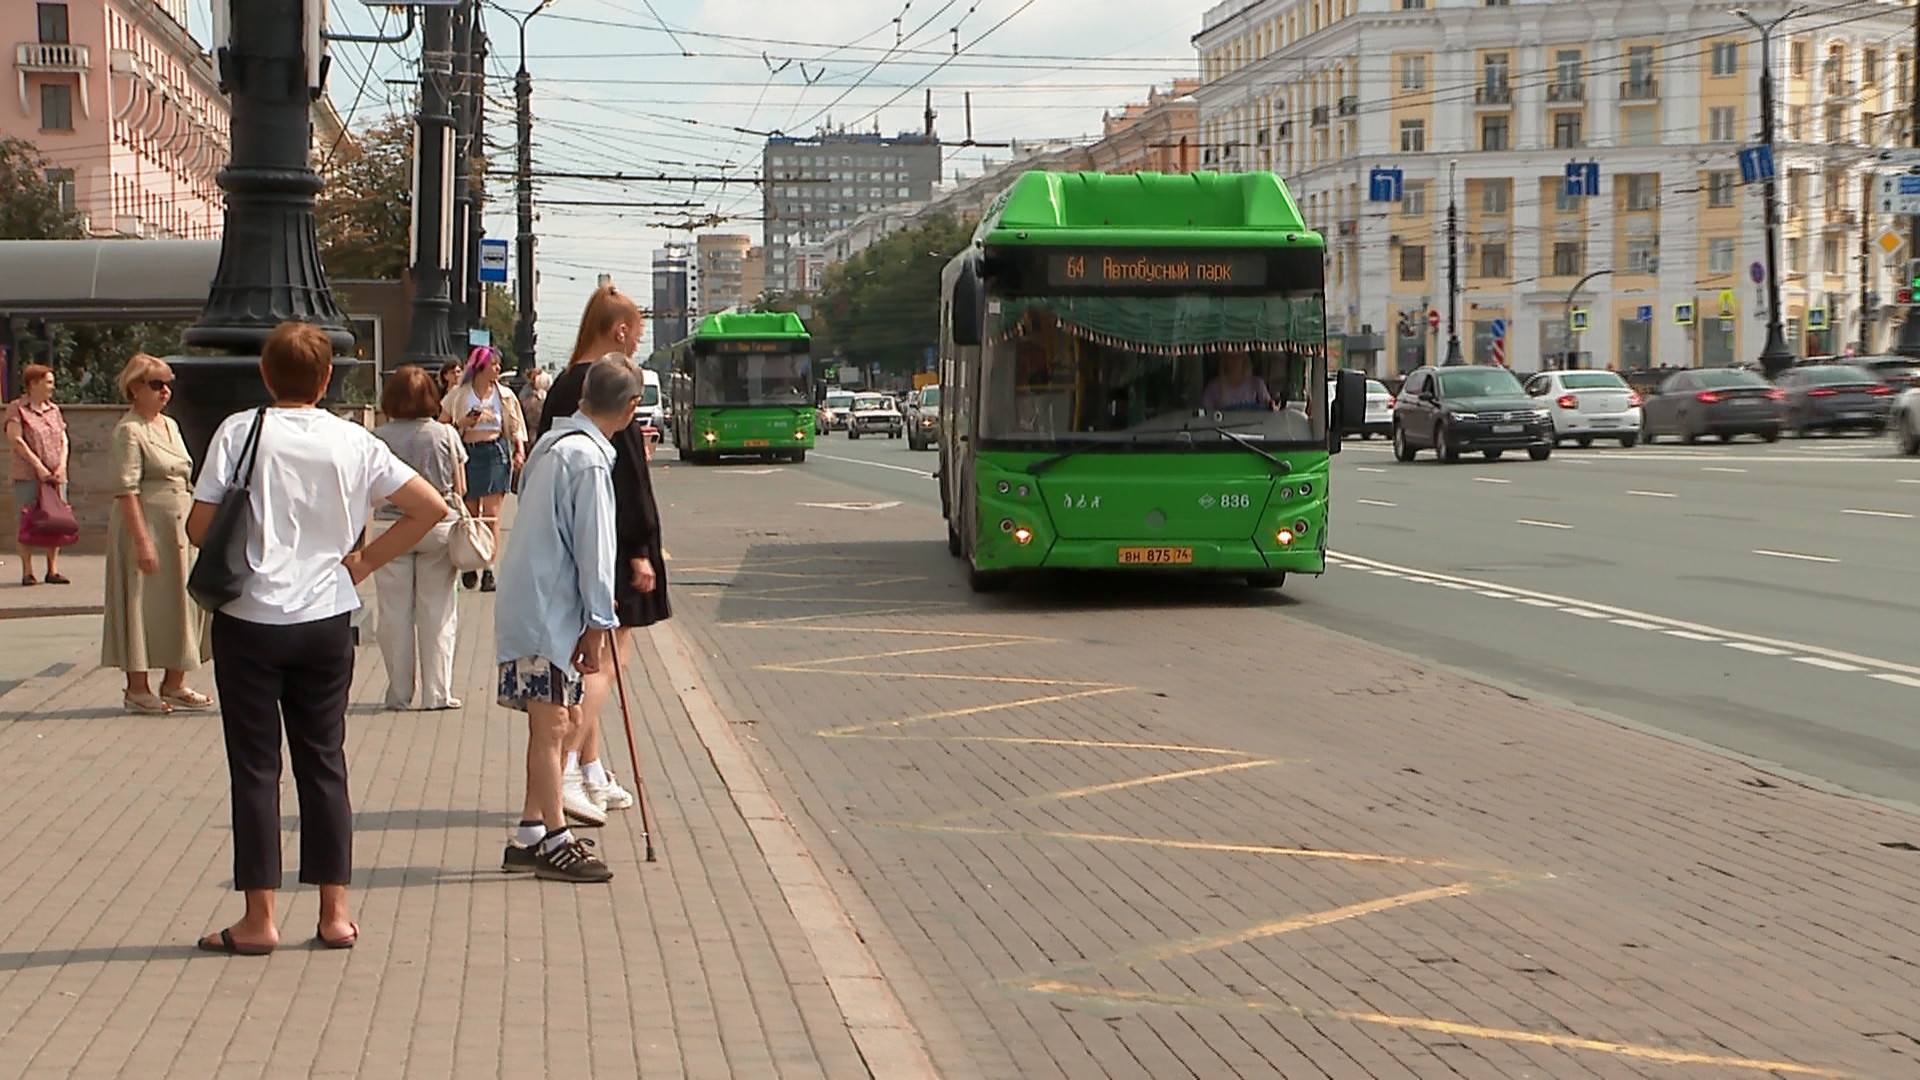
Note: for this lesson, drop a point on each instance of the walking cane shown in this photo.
(633, 753)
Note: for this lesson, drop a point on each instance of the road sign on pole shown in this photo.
(1891, 242)
(1583, 178)
(1385, 185)
(1433, 319)
(1817, 318)
(1756, 163)
(1578, 320)
(1683, 313)
(1900, 195)
(1643, 313)
(1757, 273)
(1728, 299)
(1499, 329)
(493, 261)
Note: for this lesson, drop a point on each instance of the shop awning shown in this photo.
(106, 280)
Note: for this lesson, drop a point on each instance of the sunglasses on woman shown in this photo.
(159, 384)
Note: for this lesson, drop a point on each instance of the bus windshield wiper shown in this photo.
(1243, 443)
(1038, 467)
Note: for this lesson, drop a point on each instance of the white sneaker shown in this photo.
(578, 804)
(610, 795)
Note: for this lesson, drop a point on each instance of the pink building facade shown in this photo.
(125, 106)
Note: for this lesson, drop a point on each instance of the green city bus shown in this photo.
(743, 385)
(1135, 373)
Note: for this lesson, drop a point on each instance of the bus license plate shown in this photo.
(1507, 429)
(759, 442)
(1156, 556)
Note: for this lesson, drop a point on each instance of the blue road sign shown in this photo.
(1583, 178)
(1499, 329)
(1908, 185)
(933, 357)
(1757, 273)
(493, 261)
(1385, 185)
(477, 338)
(1643, 313)
(1756, 163)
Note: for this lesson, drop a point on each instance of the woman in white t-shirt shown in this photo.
(495, 432)
(283, 651)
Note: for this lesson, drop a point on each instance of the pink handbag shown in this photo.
(49, 522)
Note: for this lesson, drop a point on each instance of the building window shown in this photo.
(1640, 65)
(1870, 66)
(1836, 123)
(1413, 73)
(1797, 59)
(1413, 199)
(1720, 123)
(1796, 253)
(1797, 123)
(1640, 257)
(1493, 260)
(1562, 201)
(1869, 128)
(1568, 259)
(1830, 255)
(1567, 130)
(1643, 191)
(1495, 196)
(1413, 5)
(1413, 136)
(1413, 262)
(1567, 67)
(1796, 191)
(1726, 59)
(53, 24)
(1494, 70)
(56, 107)
(1493, 133)
(1641, 125)
(1719, 189)
(1720, 255)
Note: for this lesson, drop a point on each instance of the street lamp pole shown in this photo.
(1775, 356)
(1453, 267)
(1909, 343)
(429, 340)
(523, 330)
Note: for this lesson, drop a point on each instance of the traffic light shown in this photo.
(1903, 297)
(1913, 274)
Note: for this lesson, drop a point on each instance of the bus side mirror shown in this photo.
(968, 310)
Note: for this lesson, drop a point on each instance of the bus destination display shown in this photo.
(1123, 270)
(750, 346)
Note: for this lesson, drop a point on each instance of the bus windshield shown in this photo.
(752, 380)
(1155, 369)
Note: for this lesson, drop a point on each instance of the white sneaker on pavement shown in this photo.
(578, 804)
(610, 795)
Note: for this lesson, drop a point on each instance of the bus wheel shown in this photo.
(1271, 579)
(953, 540)
(799, 456)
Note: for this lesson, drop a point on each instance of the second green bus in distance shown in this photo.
(743, 386)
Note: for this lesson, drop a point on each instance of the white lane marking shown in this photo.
(1718, 468)
(1389, 573)
(1585, 613)
(1368, 468)
(1901, 680)
(1542, 524)
(1830, 665)
(1636, 624)
(1375, 502)
(1490, 480)
(1735, 638)
(1763, 650)
(1880, 514)
(1907, 481)
(1690, 635)
(852, 505)
(875, 464)
(748, 472)
(1793, 555)
(1655, 494)
(1531, 602)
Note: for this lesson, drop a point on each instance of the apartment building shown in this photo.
(732, 271)
(126, 108)
(814, 186)
(1482, 105)
(1161, 134)
(675, 294)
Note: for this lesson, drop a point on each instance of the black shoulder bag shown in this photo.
(221, 570)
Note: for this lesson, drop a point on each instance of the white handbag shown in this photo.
(469, 542)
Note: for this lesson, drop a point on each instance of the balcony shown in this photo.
(1647, 89)
(1493, 94)
(1349, 227)
(1566, 91)
(1842, 89)
(1842, 218)
(52, 58)
(1321, 113)
(1350, 105)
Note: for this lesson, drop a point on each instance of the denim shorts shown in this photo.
(534, 678)
(489, 468)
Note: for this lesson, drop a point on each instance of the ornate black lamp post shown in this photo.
(270, 268)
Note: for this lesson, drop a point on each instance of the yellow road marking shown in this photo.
(1020, 740)
(972, 710)
(761, 624)
(1440, 1027)
(1180, 845)
(1101, 789)
(801, 669)
(929, 651)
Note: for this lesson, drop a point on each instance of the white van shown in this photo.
(651, 412)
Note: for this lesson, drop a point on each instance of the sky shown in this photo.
(660, 86)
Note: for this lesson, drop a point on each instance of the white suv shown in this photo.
(1588, 405)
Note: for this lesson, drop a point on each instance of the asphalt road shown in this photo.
(1754, 598)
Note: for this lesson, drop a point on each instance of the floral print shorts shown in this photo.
(533, 678)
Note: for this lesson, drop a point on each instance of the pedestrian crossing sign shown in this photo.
(1683, 314)
(1727, 300)
(1817, 318)
(1578, 320)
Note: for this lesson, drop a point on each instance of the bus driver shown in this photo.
(1236, 387)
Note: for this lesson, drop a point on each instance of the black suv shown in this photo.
(1462, 410)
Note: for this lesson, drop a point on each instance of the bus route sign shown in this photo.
(1118, 270)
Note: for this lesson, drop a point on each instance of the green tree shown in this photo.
(883, 305)
(366, 210)
(30, 207)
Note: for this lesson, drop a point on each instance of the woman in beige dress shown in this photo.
(150, 622)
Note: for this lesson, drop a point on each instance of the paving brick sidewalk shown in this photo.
(690, 967)
(1125, 831)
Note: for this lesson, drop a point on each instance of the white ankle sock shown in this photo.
(595, 773)
(573, 761)
(554, 840)
(530, 833)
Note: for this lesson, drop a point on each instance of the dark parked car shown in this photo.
(1722, 401)
(923, 419)
(1834, 397)
(1462, 410)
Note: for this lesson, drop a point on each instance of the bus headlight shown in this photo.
(1022, 534)
(798, 434)
(712, 436)
(1284, 537)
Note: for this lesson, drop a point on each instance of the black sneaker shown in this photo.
(486, 581)
(469, 579)
(572, 862)
(519, 859)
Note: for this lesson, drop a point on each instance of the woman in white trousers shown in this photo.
(419, 618)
